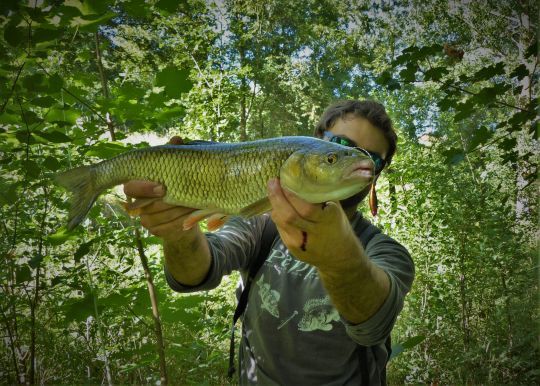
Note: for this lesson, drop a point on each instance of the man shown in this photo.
(320, 294)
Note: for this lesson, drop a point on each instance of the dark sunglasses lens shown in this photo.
(377, 159)
(342, 141)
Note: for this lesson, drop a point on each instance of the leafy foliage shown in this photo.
(80, 81)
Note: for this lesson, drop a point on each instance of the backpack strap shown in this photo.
(269, 234)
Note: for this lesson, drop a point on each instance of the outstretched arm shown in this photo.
(321, 235)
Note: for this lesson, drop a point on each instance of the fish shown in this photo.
(220, 180)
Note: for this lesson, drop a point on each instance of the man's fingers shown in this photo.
(305, 209)
(164, 217)
(176, 140)
(159, 206)
(283, 213)
(142, 189)
(169, 228)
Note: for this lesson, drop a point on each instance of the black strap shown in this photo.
(268, 236)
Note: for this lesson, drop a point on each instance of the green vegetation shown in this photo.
(81, 81)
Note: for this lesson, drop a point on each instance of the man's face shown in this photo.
(366, 136)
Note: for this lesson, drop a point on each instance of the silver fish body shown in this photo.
(228, 178)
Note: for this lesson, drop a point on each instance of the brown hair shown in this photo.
(373, 111)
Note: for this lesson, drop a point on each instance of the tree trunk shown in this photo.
(99, 326)
(155, 309)
(104, 86)
(243, 92)
(138, 241)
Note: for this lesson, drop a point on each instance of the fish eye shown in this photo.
(331, 158)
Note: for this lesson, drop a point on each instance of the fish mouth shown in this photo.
(362, 169)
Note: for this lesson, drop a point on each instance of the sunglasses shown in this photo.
(377, 159)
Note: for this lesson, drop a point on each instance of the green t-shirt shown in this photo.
(291, 333)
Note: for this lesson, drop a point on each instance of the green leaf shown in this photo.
(386, 80)
(480, 136)
(60, 236)
(521, 117)
(175, 112)
(90, 23)
(169, 6)
(414, 341)
(35, 82)
(507, 144)
(176, 81)
(32, 168)
(137, 8)
(25, 137)
(35, 261)
(454, 156)
(489, 72)
(83, 250)
(23, 274)
(435, 73)
(52, 163)
(408, 74)
(15, 35)
(520, 72)
(55, 83)
(464, 110)
(80, 309)
(45, 101)
(106, 150)
(9, 5)
(46, 34)
(8, 195)
(63, 116)
(53, 136)
(532, 50)
(95, 6)
(446, 103)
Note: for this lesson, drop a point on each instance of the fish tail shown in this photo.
(80, 182)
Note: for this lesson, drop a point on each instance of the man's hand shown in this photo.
(319, 234)
(161, 219)
(187, 255)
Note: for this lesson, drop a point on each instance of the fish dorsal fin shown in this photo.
(258, 207)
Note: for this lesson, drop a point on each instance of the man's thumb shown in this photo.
(176, 140)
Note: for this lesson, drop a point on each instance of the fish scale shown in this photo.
(225, 178)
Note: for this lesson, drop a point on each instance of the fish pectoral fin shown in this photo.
(133, 208)
(258, 207)
(217, 220)
(200, 215)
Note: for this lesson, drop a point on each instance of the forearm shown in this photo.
(357, 289)
(188, 259)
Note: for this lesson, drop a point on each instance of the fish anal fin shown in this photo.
(258, 207)
(217, 220)
(199, 215)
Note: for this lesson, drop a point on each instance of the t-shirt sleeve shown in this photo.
(395, 260)
(231, 248)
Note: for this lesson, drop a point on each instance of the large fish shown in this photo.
(226, 178)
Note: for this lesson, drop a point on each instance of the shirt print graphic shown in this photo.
(318, 315)
(269, 298)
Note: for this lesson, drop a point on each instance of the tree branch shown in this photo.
(12, 88)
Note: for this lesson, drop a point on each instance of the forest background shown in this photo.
(83, 81)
